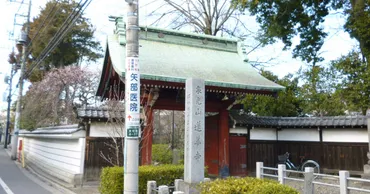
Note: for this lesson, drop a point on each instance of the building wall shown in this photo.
(309, 134)
(61, 158)
(341, 149)
(106, 129)
(343, 135)
(262, 133)
(358, 135)
(239, 130)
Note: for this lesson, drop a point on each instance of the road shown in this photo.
(13, 180)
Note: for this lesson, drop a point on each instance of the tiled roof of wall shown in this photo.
(349, 121)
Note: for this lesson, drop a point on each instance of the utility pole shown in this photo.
(132, 100)
(24, 40)
(173, 131)
(9, 103)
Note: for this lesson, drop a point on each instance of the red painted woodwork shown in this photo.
(171, 104)
(147, 139)
(214, 89)
(238, 156)
(223, 143)
(211, 145)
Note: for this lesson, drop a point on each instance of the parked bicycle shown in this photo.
(284, 159)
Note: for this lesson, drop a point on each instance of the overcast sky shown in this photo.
(338, 42)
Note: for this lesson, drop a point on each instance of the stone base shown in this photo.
(366, 174)
(367, 169)
(188, 188)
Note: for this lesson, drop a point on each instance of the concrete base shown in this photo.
(366, 174)
(367, 169)
(189, 188)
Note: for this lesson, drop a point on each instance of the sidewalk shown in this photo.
(53, 187)
(17, 180)
(88, 188)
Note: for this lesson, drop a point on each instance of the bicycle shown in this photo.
(284, 159)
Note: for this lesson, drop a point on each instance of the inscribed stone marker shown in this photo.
(194, 130)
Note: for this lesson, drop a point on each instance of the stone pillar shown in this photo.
(163, 189)
(151, 186)
(147, 138)
(178, 183)
(194, 131)
(223, 143)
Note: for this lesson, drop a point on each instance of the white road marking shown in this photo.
(5, 187)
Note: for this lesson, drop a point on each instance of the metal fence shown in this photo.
(310, 178)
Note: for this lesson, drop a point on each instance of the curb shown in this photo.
(41, 180)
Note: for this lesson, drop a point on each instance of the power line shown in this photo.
(61, 33)
(43, 22)
(66, 26)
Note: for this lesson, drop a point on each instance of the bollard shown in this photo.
(20, 148)
(308, 180)
(281, 173)
(163, 189)
(206, 180)
(259, 170)
(150, 187)
(343, 183)
(178, 184)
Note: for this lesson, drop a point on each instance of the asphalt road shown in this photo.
(13, 180)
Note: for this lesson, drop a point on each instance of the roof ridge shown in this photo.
(342, 120)
(121, 23)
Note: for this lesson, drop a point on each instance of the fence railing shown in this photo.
(164, 189)
(310, 178)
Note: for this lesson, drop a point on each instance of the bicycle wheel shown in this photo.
(313, 164)
(287, 167)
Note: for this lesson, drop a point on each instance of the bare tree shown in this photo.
(211, 17)
(116, 121)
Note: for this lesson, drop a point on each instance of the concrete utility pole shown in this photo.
(9, 103)
(132, 100)
(23, 40)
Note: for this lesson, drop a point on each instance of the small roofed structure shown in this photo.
(335, 142)
(167, 59)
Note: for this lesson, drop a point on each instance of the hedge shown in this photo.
(245, 185)
(112, 177)
(161, 153)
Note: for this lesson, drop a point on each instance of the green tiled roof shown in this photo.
(172, 56)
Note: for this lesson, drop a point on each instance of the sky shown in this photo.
(336, 44)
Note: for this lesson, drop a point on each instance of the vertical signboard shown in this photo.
(132, 98)
(194, 130)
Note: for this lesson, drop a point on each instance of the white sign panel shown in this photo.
(132, 98)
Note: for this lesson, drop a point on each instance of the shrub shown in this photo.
(245, 185)
(161, 153)
(112, 177)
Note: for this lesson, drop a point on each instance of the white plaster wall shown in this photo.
(61, 158)
(345, 135)
(239, 130)
(106, 129)
(309, 134)
(263, 134)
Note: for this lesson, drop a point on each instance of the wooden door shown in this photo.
(211, 146)
(238, 156)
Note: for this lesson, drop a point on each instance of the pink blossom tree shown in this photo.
(55, 99)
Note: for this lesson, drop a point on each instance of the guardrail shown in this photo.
(310, 178)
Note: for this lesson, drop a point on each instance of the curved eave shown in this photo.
(171, 64)
(105, 75)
